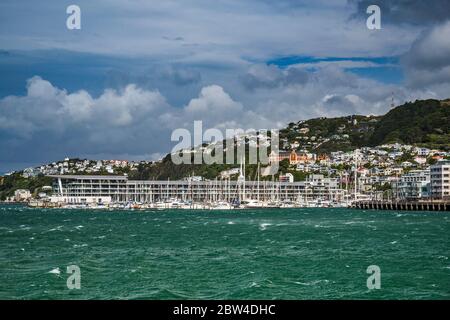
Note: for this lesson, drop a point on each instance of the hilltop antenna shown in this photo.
(392, 101)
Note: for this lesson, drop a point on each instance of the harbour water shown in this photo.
(308, 253)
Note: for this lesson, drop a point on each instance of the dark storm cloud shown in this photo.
(181, 75)
(270, 76)
(406, 11)
(173, 39)
(426, 64)
(151, 74)
(341, 103)
(178, 83)
(431, 50)
(428, 60)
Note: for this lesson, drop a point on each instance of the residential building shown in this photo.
(303, 130)
(293, 157)
(288, 177)
(413, 185)
(21, 195)
(420, 160)
(321, 181)
(228, 173)
(422, 151)
(440, 180)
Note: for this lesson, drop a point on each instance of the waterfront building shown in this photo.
(440, 180)
(413, 185)
(110, 189)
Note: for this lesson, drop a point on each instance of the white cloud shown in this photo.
(38, 88)
(47, 106)
(213, 101)
(50, 122)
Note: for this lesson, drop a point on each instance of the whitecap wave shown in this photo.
(263, 226)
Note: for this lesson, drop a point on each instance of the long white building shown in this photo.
(107, 189)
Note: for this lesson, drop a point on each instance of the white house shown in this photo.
(21, 195)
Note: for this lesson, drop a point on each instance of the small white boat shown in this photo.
(221, 205)
(257, 204)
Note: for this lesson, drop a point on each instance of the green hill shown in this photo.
(423, 123)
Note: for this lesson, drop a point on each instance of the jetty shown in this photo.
(403, 205)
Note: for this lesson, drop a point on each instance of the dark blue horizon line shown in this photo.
(291, 60)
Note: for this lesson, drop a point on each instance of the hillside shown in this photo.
(423, 123)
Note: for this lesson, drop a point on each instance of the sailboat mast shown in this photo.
(244, 179)
(258, 183)
(356, 172)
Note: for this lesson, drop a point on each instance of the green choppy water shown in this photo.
(254, 254)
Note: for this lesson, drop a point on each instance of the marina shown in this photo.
(117, 192)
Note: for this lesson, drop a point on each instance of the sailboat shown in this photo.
(258, 203)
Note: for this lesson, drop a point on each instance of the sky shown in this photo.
(139, 69)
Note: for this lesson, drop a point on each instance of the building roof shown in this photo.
(441, 163)
(88, 177)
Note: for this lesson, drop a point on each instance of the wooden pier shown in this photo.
(403, 205)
